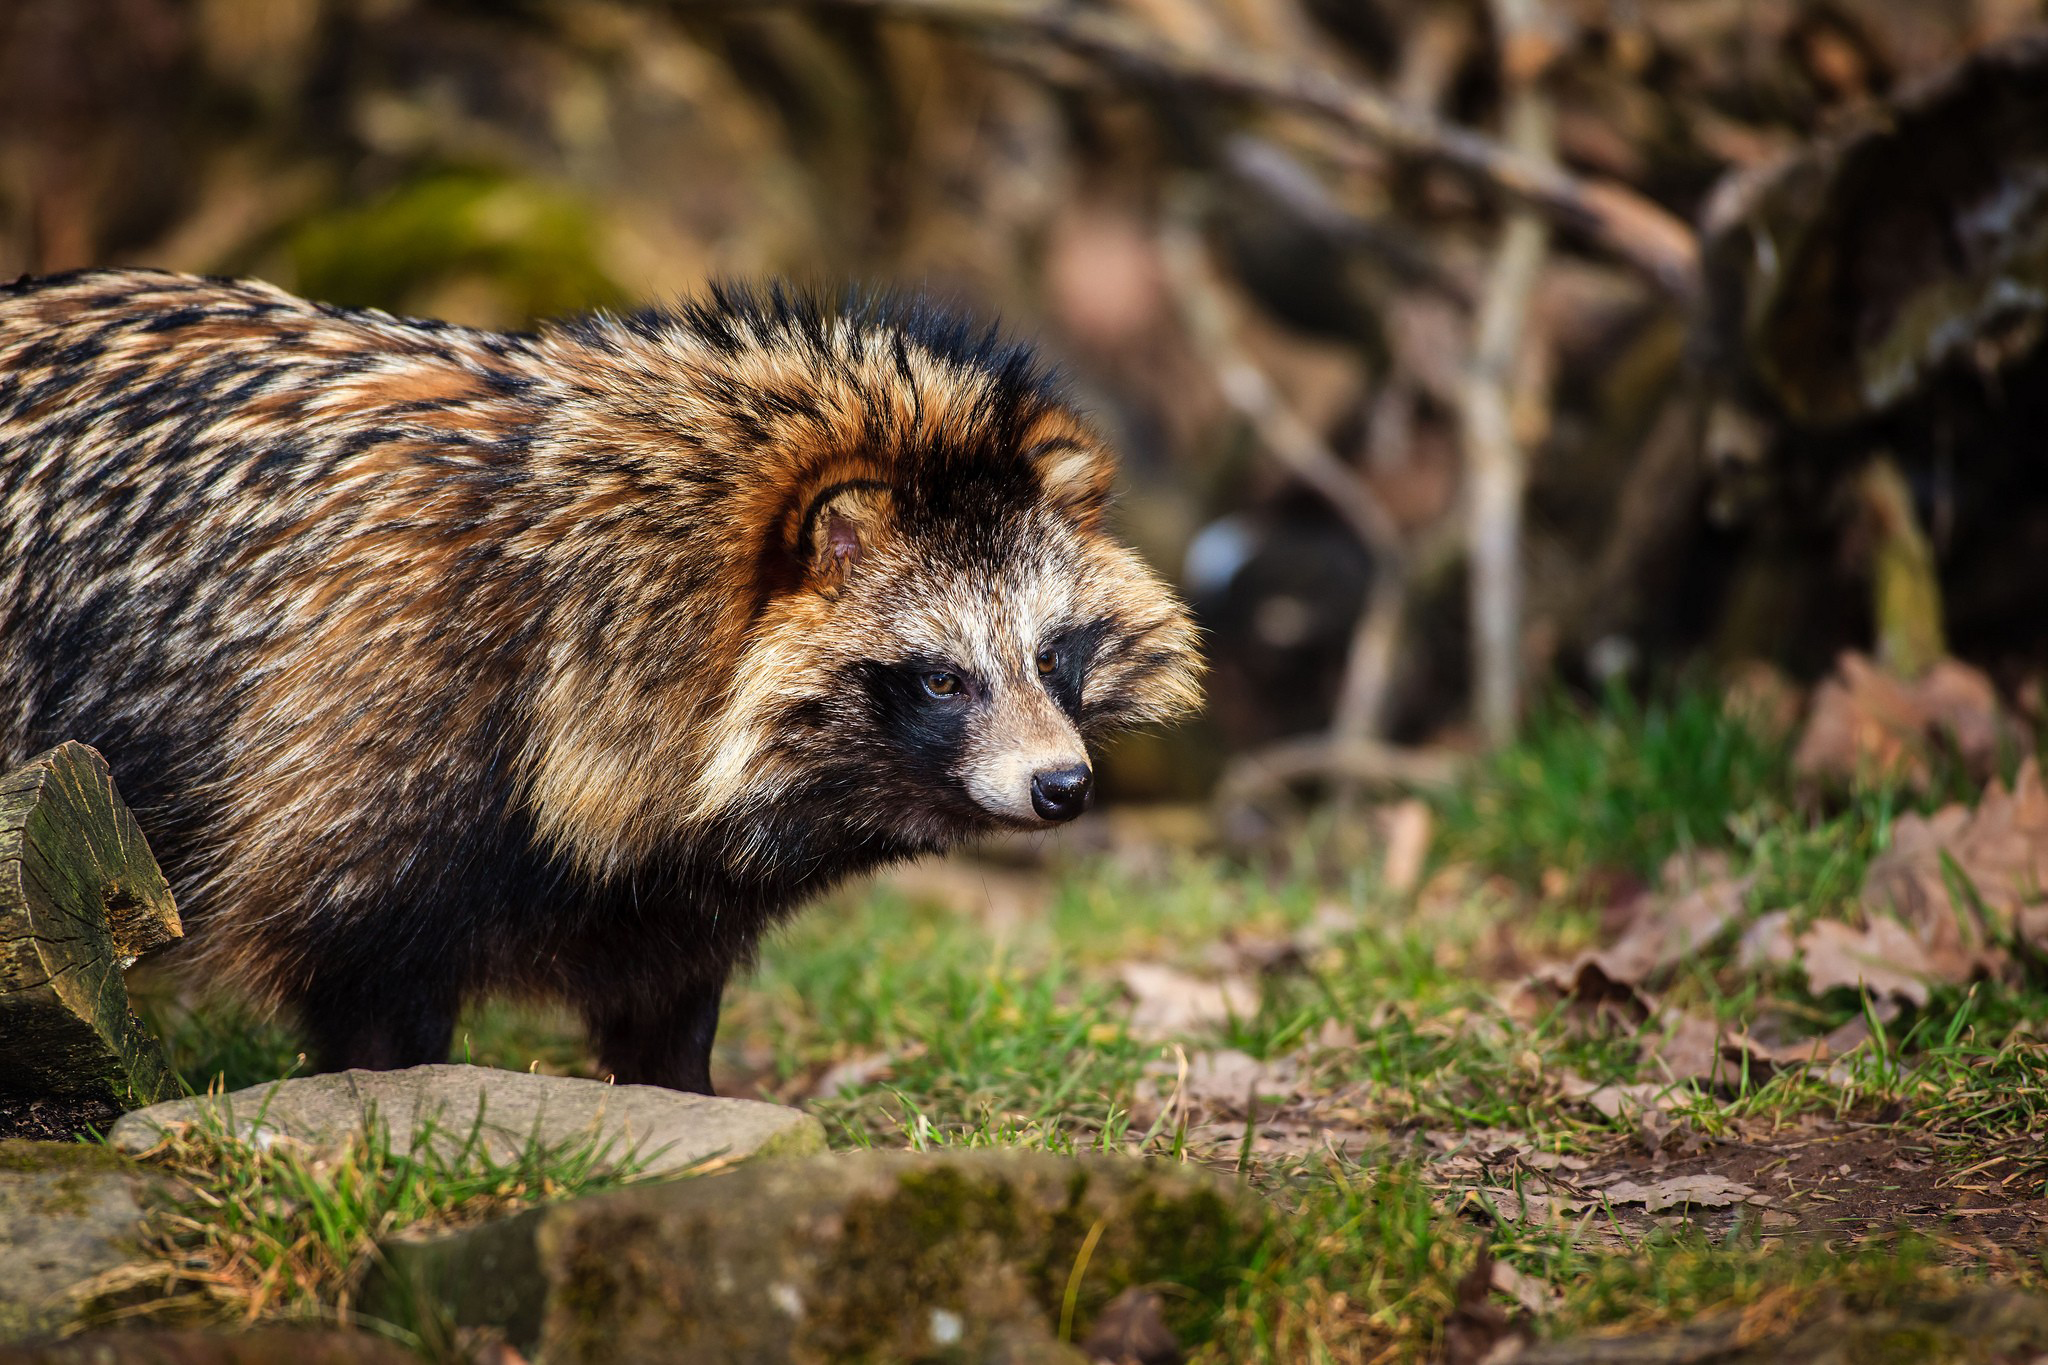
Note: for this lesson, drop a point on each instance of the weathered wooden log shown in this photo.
(80, 899)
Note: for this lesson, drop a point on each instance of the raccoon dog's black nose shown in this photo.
(1060, 793)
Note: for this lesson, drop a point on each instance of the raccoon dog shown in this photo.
(438, 661)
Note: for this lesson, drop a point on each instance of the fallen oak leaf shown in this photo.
(1868, 724)
(1965, 880)
(1170, 1003)
(1707, 1191)
(1225, 1078)
(1662, 933)
(1883, 958)
(1618, 1101)
(1767, 942)
(1747, 1049)
(1685, 1046)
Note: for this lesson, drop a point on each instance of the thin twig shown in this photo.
(1496, 466)
(1280, 766)
(1634, 228)
(1280, 177)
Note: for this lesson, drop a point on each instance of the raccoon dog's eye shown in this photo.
(1048, 662)
(942, 684)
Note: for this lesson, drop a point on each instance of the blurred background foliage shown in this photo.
(1279, 314)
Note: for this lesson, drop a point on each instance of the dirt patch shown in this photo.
(1850, 1181)
(1841, 1182)
(54, 1120)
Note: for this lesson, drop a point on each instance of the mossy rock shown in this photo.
(69, 1212)
(954, 1256)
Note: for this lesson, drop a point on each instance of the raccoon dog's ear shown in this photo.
(1076, 477)
(842, 524)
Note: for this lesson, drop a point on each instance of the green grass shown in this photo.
(279, 1230)
(1619, 788)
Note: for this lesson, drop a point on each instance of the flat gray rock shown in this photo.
(446, 1106)
(69, 1212)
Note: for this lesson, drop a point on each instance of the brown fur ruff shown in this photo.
(438, 660)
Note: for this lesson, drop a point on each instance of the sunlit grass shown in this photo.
(278, 1229)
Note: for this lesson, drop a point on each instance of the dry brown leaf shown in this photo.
(1707, 1191)
(1744, 1048)
(1223, 1079)
(1883, 957)
(1864, 724)
(1536, 1298)
(1768, 942)
(857, 1071)
(1869, 725)
(1623, 1101)
(1666, 931)
(1963, 707)
(1662, 931)
(2001, 850)
(1332, 1036)
(1172, 1004)
(1525, 1206)
(1759, 695)
(1247, 950)
(1683, 1046)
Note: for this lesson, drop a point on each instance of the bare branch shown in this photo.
(1496, 466)
(1279, 766)
(1631, 226)
(1278, 175)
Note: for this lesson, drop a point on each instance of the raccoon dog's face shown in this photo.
(994, 642)
(955, 638)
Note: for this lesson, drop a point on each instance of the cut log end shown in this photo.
(81, 897)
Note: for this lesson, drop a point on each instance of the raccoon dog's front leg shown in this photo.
(378, 1021)
(664, 1040)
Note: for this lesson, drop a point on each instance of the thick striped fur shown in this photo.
(438, 661)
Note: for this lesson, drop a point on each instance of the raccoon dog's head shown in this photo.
(916, 621)
(976, 629)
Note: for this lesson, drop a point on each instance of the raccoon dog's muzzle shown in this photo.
(1025, 762)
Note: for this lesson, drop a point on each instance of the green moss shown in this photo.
(19, 1157)
(940, 1236)
(534, 245)
(996, 1243)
